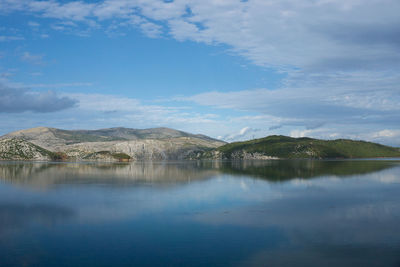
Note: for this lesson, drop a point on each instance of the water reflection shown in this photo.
(250, 213)
(45, 174)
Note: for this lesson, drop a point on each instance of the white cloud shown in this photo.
(68, 11)
(301, 133)
(281, 34)
(312, 106)
(131, 112)
(244, 134)
(151, 30)
(386, 133)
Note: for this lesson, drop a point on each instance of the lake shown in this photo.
(206, 213)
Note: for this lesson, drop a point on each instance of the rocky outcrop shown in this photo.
(15, 149)
(243, 154)
(236, 155)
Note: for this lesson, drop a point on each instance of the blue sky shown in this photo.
(226, 68)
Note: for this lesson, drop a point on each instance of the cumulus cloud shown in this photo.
(15, 100)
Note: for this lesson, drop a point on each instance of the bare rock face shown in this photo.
(237, 155)
(15, 149)
(147, 149)
(116, 144)
(243, 154)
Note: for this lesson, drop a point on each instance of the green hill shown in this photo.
(288, 147)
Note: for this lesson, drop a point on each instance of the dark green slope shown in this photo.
(288, 147)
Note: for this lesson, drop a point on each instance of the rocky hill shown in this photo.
(124, 144)
(273, 147)
(113, 144)
(16, 149)
(52, 138)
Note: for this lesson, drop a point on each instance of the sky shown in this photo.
(230, 69)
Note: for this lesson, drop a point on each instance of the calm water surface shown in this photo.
(271, 213)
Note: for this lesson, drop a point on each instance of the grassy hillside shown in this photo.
(288, 147)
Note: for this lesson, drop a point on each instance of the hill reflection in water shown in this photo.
(42, 174)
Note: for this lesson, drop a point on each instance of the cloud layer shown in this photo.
(332, 35)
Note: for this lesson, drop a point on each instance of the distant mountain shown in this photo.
(117, 143)
(287, 147)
